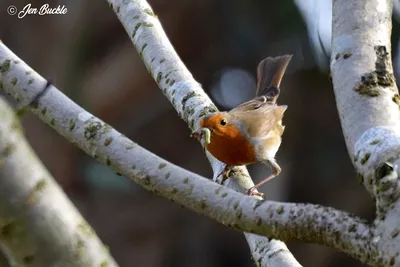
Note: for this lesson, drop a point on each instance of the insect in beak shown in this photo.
(199, 133)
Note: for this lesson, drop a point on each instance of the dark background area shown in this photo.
(88, 56)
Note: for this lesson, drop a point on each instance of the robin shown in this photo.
(252, 131)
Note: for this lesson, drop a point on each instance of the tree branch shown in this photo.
(286, 221)
(187, 97)
(368, 103)
(366, 94)
(33, 229)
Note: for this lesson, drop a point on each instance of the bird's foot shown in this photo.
(223, 176)
(254, 192)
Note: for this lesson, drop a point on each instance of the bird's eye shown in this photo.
(223, 122)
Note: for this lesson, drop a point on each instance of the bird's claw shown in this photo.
(222, 176)
(219, 179)
(254, 192)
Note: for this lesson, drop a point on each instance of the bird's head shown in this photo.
(219, 124)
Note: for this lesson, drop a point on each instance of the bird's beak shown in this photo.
(199, 133)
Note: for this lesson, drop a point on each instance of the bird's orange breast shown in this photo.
(232, 149)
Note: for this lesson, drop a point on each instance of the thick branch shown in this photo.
(39, 226)
(368, 103)
(187, 97)
(366, 93)
(310, 223)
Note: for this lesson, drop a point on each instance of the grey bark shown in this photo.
(39, 226)
(286, 221)
(368, 104)
(189, 100)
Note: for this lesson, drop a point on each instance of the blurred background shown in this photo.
(88, 56)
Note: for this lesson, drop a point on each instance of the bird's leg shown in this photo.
(276, 169)
(224, 175)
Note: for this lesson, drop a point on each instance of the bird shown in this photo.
(251, 132)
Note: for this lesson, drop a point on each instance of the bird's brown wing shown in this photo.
(261, 114)
(253, 104)
(258, 117)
